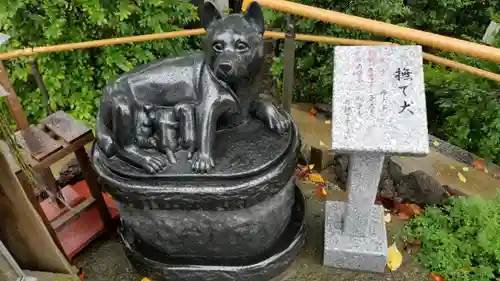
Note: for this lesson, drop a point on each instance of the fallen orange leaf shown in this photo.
(81, 274)
(303, 171)
(403, 216)
(478, 164)
(317, 178)
(437, 277)
(321, 190)
(416, 209)
(313, 111)
(406, 211)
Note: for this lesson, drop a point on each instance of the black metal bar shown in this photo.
(289, 63)
(41, 85)
(235, 6)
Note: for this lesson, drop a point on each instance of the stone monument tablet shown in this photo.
(378, 109)
(379, 100)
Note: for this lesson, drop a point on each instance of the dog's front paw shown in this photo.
(202, 163)
(153, 163)
(276, 120)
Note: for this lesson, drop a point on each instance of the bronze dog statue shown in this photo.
(150, 113)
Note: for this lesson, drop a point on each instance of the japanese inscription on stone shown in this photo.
(379, 100)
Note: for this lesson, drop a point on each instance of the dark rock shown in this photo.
(417, 187)
(386, 184)
(325, 109)
(395, 171)
(422, 189)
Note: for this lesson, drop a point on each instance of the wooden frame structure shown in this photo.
(23, 230)
(43, 144)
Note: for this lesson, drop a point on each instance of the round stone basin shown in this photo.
(154, 264)
(238, 233)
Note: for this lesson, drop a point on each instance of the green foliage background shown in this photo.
(460, 240)
(462, 108)
(74, 79)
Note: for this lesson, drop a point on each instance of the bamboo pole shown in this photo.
(100, 43)
(462, 67)
(268, 34)
(421, 37)
(426, 56)
(327, 39)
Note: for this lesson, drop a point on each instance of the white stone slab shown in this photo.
(379, 100)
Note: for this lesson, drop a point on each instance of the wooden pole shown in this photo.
(462, 67)
(435, 59)
(15, 107)
(100, 43)
(289, 64)
(41, 85)
(269, 34)
(421, 37)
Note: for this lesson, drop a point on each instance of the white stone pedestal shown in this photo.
(355, 234)
(378, 109)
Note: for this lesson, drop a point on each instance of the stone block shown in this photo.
(321, 158)
(367, 253)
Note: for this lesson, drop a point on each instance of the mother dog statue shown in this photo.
(158, 109)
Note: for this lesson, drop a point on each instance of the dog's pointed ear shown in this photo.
(209, 14)
(255, 16)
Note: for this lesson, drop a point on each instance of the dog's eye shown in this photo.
(241, 46)
(218, 46)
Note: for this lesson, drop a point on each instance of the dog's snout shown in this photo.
(225, 67)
